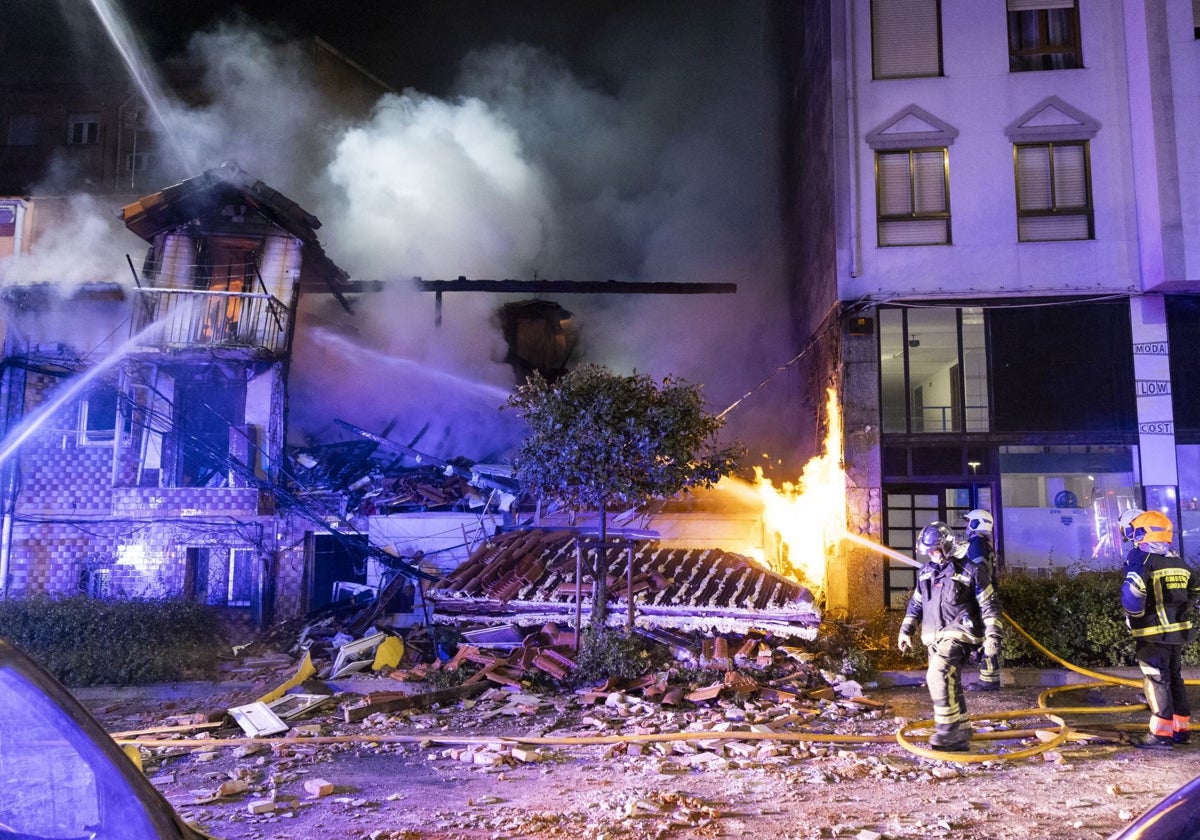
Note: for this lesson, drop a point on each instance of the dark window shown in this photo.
(83, 129)
(1183, 332)
(1062, 368)
(22, 130)
(1043, 35)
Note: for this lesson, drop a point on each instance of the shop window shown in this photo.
(933, 370)
(1187, 540)
(1183, 332)
(906, 38)
(1043, 35)
(1060, 505)
(1062, 367)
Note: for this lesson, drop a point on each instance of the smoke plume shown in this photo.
(655, 163)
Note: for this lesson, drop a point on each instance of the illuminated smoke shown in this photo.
(657, 164)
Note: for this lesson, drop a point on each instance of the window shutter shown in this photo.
(930, 182)
(895, 197)
(916, 232)
(904, 38)
(1052, 228)
(1070, 177)
(1035, 5)
(1033, 177)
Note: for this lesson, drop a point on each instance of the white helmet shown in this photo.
(979, 521)
(1125, 523)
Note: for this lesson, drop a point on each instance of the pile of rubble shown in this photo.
(722, 703)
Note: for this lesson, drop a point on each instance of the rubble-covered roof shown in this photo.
(530, 574)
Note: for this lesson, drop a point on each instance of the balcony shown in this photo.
(174, 319)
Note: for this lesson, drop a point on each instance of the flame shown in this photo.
(806, 519)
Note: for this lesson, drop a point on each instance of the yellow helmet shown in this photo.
(1152, 527)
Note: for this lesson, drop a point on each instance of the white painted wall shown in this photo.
(980, 97)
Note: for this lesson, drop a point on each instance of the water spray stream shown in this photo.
(139, 68)
(882, 549)
(72, 390)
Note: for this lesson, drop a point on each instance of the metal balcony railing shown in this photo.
(186, 318)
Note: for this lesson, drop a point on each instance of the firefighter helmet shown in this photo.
(936, 540)
(1152, 527)
(1125, 523)
(979, 521)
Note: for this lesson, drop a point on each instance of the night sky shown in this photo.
(614, 139)
(407, 43)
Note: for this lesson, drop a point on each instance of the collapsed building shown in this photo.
(145, 455)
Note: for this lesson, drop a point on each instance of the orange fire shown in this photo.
(806, 519)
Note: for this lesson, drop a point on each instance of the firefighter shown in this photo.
(1158, 595)
(978, 548)
(956, 608)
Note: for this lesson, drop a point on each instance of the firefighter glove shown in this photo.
(904, 643)
(991, 646)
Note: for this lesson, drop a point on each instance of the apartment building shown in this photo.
(994, 218)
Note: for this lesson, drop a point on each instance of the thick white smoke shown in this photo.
(658, 165)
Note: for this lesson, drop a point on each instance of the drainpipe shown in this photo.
(6, 525)
(12, 399)
(19, 231)
(852, 135)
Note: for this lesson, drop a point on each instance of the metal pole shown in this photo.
(629, 584)
(578, 592)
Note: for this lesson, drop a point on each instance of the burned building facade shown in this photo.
(146, 426)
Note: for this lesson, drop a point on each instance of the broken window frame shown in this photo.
(98, 417)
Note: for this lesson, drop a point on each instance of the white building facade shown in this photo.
(1015, 235)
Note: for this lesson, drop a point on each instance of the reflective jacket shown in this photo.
(953, 600)
(1158, 596)
(979, 549)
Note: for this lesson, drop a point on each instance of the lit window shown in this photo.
(1054, 199)
(906, 38)
(83, 129)
(933, 370)
(1043, 35)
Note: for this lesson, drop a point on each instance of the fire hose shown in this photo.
(903, 735)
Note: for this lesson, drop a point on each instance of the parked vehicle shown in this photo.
(1175, 817)
(62, 775)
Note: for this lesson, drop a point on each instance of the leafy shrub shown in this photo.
(605, 652)
(1074, 614)
(83, 641)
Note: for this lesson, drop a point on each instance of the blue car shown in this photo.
(62, 776)
(1176, 817)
